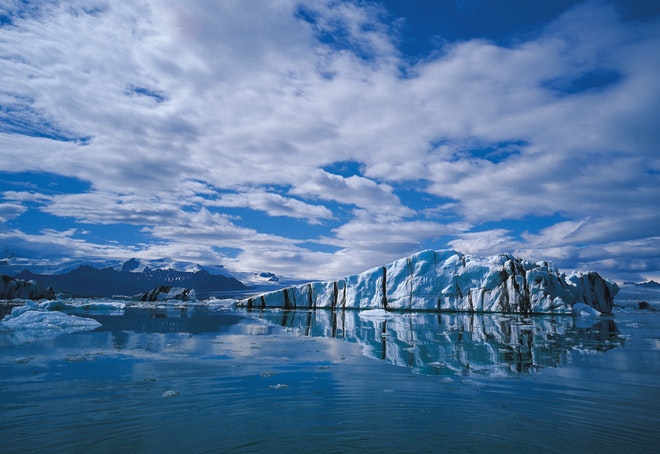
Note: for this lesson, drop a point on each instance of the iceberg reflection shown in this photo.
(457, 343)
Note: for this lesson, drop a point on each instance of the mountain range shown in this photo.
(133, 277)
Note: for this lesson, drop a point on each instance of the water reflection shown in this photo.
(446, 344)
(457, 343)
(167, 319)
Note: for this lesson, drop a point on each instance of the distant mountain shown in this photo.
(135, 265)
(14, 265)
(74, 270)
(649, 284)
(87, 281)
(250, 279)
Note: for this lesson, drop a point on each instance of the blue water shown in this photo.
(203, 378)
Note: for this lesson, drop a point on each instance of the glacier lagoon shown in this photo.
(209, 377)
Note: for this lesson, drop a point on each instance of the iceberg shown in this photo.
(448, 280)
(51, 321)
(29, 324)
(11, 288)
(167, 293)
(87, 306)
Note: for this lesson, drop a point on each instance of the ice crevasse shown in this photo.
(448, 280)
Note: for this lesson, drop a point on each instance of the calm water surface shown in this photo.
(204, 379)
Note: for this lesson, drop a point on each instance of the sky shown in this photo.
(316, 139)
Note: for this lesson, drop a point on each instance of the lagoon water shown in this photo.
(210, 378)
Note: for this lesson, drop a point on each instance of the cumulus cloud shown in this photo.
(174, 112)
(354, 190)
(274, 205)
(10, 210)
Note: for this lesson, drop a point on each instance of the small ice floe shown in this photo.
(32, 325)
(76, 358)
(18, 310)
(22, 360)
(48, 321)
(86, 306)
(375, 313)
(584, 309)
(169, 394)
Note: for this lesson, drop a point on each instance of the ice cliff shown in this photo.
(448, 280)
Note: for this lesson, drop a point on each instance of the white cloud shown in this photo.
(484, 242)
(354, 190)
(10, 210)
(274, 205)
(172, 111)
(111, 208)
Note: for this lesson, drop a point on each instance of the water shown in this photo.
(214, 379)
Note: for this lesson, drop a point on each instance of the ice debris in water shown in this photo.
(169, 393)
(374, 313)
(90, 306)
(18, 310)
(583, 309)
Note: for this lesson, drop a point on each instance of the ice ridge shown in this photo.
(447, 280)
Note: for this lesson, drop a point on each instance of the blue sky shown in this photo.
(315, 139)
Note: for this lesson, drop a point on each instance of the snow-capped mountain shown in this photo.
(13, 266)
(135, 276)
(135, 265)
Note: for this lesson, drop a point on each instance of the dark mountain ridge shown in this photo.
(649, 284)
(86, 281)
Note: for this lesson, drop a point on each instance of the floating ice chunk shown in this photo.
(169, 393)
(22, 360)
(375, 313)
(48, 322)
(583, 309)
(18, 310)
(94, 306)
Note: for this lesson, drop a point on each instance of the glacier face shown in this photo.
(448, 280)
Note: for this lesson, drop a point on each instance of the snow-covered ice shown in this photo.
(29, 323)
(450, 280)
(91, 306)
(35, 325)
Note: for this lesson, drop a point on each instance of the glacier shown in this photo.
(447, 280)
